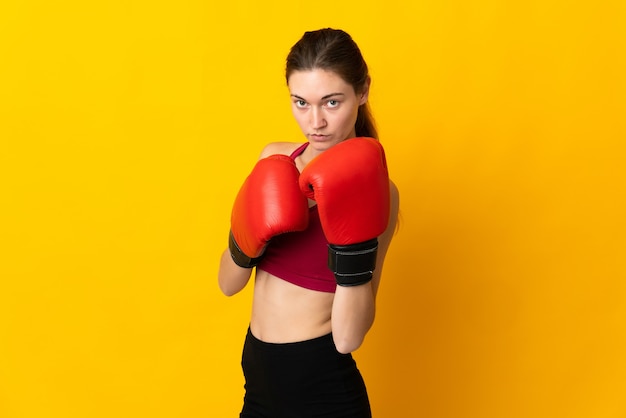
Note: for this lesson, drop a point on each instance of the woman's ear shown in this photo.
(365, 92)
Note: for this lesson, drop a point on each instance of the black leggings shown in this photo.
(301, 380)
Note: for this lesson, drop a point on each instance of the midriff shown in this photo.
(283, 312)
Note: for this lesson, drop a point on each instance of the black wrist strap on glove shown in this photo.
(239, 257)
(354, 264)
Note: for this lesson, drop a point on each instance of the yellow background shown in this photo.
(126, 128)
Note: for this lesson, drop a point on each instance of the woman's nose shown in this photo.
(317, 118)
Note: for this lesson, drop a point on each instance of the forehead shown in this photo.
(317, 83)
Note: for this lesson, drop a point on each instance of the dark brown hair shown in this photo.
(334, 50)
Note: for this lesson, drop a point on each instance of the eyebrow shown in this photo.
(328, 96)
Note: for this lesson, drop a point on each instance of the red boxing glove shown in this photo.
(350, 184)
(269, 203)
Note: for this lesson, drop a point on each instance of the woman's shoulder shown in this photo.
(285, 148)
(395, 193)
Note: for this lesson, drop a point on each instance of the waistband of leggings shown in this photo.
(312, 344)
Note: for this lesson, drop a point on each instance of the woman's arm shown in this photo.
(354, 307)
(232, 278)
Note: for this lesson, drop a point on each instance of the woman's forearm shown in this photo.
(232, 278)
(353, 314)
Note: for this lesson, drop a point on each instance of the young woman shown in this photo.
(316, 220)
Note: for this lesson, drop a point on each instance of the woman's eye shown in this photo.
(300, 103)
(333, 103)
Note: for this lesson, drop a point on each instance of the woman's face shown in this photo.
(325, 106)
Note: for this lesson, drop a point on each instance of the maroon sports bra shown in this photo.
(301, 258)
